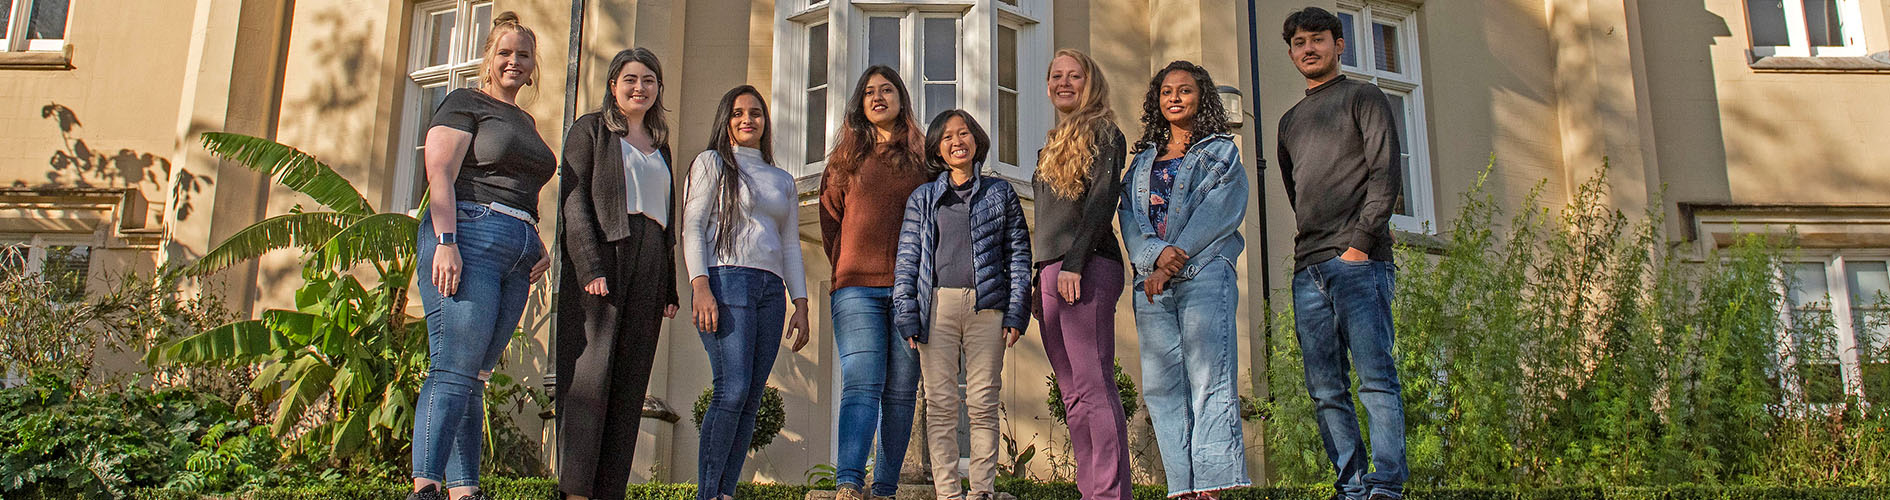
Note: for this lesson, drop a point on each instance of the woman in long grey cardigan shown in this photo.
(619, 282)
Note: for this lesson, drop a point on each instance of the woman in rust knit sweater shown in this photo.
(879, 152)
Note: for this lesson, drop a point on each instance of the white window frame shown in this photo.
(13, 35)
(460, 71)
(1797, 32)
(1850, 367)
(846, 58)
(1408, 84)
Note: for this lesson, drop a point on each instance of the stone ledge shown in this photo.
(1876, 63)
(60, 61)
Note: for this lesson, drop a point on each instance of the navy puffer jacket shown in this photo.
(1000, 255)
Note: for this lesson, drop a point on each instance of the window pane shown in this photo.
(1012, 2)
(938, 98)
(49, 20)
(1870, 308)
(882, 40)
(1767, 20)
(1822, 23)
(482, 26)
(1007, 127)
(1350, 56)
(1007, 57)
(816, 125)
(439, 44)
(12, 260)
(1385, 50)
(6, 14)
(817, 55)
(66, 268)
(1400, 115)
(1809, 288)
(941, 49)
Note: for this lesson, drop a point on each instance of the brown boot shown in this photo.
(848, 492)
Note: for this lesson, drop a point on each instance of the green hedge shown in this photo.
(546, 489)
(498, 489)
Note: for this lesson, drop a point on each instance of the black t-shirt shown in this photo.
(507, 162)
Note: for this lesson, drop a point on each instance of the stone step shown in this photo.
(906, 492)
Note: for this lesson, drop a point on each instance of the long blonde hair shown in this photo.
(1070, 148)
(506, 23)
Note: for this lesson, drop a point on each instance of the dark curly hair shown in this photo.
(1210, 117)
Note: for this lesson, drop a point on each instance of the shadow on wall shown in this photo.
(80, 165)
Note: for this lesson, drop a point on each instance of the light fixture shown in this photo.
(1231, 101)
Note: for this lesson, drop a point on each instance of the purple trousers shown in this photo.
(1081, 341)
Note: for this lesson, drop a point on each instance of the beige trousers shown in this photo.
(974, 340)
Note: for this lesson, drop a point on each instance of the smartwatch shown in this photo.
(449, 239)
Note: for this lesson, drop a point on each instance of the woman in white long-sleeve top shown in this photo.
(741, 246)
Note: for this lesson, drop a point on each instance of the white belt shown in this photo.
(512, 212)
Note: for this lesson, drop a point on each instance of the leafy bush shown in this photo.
(59, 442)
(768, 422)
(1125, 389)
(1576, 348)
(50, 331)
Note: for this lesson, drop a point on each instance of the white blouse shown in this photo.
(767, 233)
(646, 181)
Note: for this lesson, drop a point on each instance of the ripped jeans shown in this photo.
(466, 334)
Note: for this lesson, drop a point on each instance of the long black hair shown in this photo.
(935, 135)
(1210, 115)
(653, 120)
(859, 136)
(730, 204)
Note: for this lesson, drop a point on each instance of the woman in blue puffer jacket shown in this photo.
(960, 296)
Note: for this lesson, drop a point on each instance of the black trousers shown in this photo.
(606, 346)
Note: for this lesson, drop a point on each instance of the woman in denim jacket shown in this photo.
(962, 274)
(1184, 198)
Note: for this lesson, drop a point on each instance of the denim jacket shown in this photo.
(1000, 253)
(1205, 208)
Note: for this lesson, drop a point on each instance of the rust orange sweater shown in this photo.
(860, 218)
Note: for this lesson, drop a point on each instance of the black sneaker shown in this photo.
(477, 495)
(431, 492)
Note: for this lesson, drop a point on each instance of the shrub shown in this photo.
(768, 422)
(1125, 389)
(60, 442)
(1576, 348)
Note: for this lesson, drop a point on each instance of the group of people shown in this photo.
(935, 271)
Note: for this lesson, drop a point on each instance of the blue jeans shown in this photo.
(466, 334)
(1343, 307)
(879, 377)
(1190, 364)
(750, 306)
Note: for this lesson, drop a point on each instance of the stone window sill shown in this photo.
(37, 60)
(1875, 63)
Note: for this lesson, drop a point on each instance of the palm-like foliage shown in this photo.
(344, 343)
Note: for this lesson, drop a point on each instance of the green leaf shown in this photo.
(290, 167)
(349, 436)
(237, 342)
(312, 378)
(306, 230)
(379, 238)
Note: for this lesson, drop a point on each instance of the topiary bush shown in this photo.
(1125, 389)
(768, 422)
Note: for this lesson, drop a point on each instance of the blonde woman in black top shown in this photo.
(479, 254)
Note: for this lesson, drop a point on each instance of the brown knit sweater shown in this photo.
(860, 218)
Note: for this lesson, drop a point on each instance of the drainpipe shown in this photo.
(1261, 389)
(573, 56)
